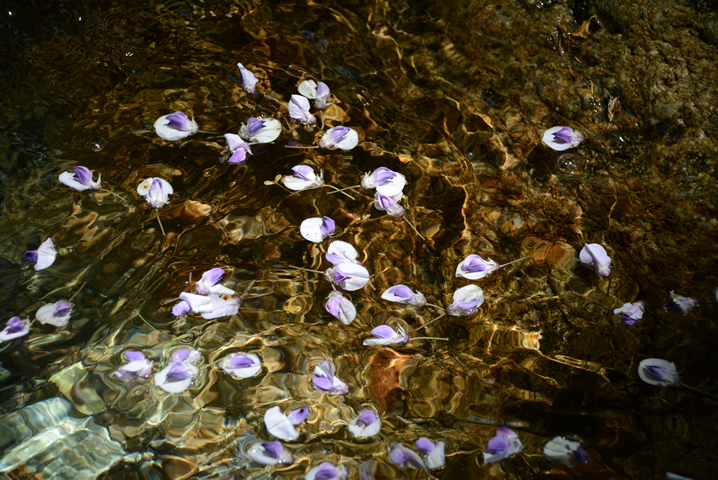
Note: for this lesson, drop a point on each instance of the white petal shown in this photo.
(166, 131)
(364, 431)
(295, 183)
(436, 458)
(68, 178)
(269, 133)
(340, 252)
(392, 187)
(349, 141)
(311, 229)
(279, 425)
(308, 88)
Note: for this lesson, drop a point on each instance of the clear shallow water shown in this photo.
(455, 97)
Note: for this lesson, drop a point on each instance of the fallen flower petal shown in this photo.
(43, 257)
(248, 79)
(561, 138)
(209, 306)
(178, 375)
(56, 314)
(239, 148)
(466, 301)
(299, 110)
(325, 380)
(343, 138)
(632, 312)
(261, 130)
(433, 452)
(387, 182)
(681, 303)
(270, 453)
(80, 180)
(242, 365)
(279, 425)
(404, 456)
(385, 335)
(473, 267)
(656, 371)
(156, 191)
(348, 276)
(316, 229)
(389, 205)
(137, 366)
(14, 328)
(208, 283)
(341, 252)
(565, 451)
(595, 255)
(175, 126)
(367, 470)
(503, 445)
(341, 307)
(303, 178)
(327, 471)
(405, 295)
(367, 424)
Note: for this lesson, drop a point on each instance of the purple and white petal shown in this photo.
(385, 181)
(261, 130)
(404, 456)
(175, 126)
(366, 424)
(348, 276)
(433, 452)
(270, 453)
(321, 101)
(208, 283)
(178, 375)
(681, 303)
(248, 79)
(385, 335)
(303, 178)
(316, 229)
(298, 415)
(239, 148)
(156, 191)
(80, 180)
(340, 307)
(466, 301)
(565, 451)
(503, 445)
(389, 205)
(137, 366)
(473, 267)
(308, 88)
(342, 252)
(220, 307)
(279, 425)
(325, 380)
(46, 255)
(341, 137)
(595, 255)
(299, 110)
(242, 365)
(561, 138)
(14, 328)
(327, 471)
(632, 312)
(182, 308)
(56, 314)
(656, 371)
(405, 295)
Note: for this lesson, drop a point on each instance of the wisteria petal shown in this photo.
(561, 138)
(316, 229)
(270, 453)
(341, 307)
(595, 255)
(366, 424)
(405, 295)
(473, 267)
(327, 471)
(175, 126)
(404, 456)
(565, 451)
(657, 371)
(249, 81)
(341, 137)
(279, 425)
(14, 328)
(298, 107)
(242, 365)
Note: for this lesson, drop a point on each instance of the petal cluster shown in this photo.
(595, 255)
(473, 267)
(137, 366)
(565, 451)
(324, 379)
(657, 371)
(56, 314)
(43, 257)
(502, 446)
(14, 328)
(242, 365)
(281, 425)
(303, 178)
(80, 180)
(175, 126)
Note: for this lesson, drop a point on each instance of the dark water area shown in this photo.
(453, 95)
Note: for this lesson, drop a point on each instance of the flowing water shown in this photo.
(455, 96)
